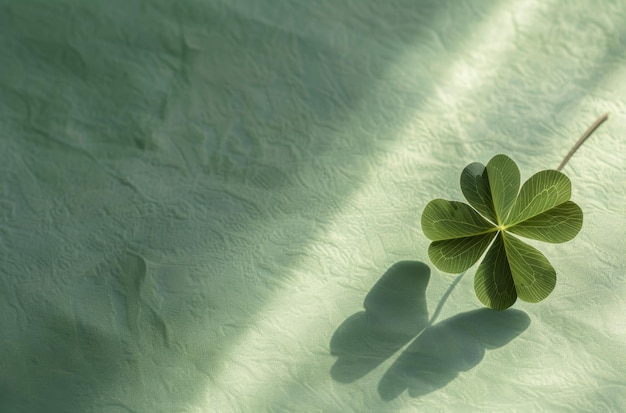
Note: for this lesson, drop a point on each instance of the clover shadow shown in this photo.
(456, 344)
(395, 312)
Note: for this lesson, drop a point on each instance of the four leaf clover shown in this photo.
(499, 210)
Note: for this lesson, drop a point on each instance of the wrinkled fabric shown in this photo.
(214, 206)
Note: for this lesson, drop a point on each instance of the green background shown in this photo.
(197, 199)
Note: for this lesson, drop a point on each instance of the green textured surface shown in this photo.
(198, 200)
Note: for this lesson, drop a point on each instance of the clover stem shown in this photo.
(582, 139)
